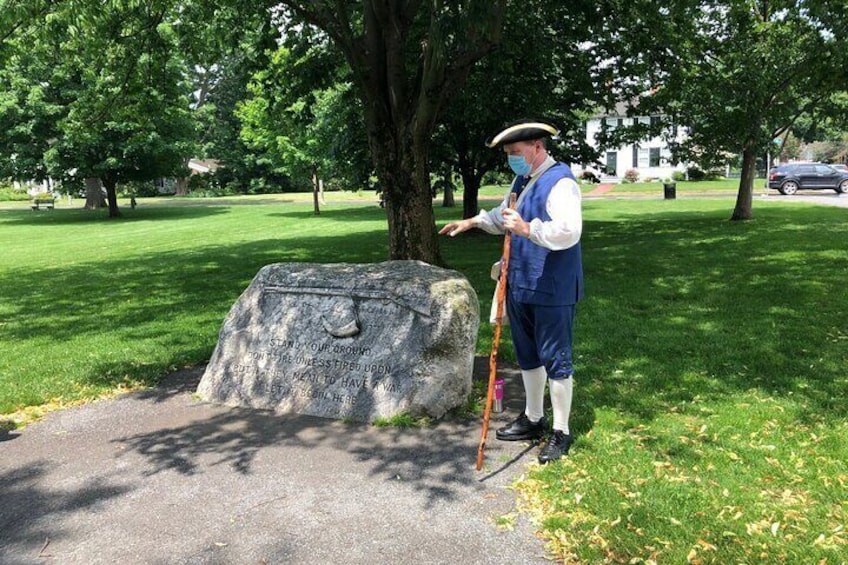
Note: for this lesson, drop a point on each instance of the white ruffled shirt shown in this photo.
(563, 206)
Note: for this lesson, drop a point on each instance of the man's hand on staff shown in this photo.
(513, 222)
(455, 228)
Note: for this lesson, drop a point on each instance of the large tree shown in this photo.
(129, 118)
(304, 118)
(100, 93)
(735, 73)
(408, 58)
(543, 67)
(30, 106)
(223, 45)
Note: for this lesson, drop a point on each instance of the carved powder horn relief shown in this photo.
(339, 317)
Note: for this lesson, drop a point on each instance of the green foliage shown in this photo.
(539, 69)
(735, 74)
(401, 421)
(9, 193)
(304, 117)
(97, 91)
(406, 66)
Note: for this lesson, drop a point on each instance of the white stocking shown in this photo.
(534, 392)
(561, 391)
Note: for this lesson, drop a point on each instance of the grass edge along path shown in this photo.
(708, 403)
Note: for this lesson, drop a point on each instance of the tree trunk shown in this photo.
(94, 194)
(744, 198)
(315, 187)
(402, 103)
(110, 185)
(448, 200)
(182, 187)
(404, 176)
(470, 189)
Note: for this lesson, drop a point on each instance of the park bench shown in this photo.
(43, 203)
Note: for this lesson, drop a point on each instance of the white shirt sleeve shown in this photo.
(566, 224)
(492, 221)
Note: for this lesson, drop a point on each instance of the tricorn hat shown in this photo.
(522, 130)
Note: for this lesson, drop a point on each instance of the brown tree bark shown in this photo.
(471, 180)
(744, 198)
(402, 103)
(94, 194)
(181, 188)
(110, 184)
(315, 193)
(448, 199)
(405, 179)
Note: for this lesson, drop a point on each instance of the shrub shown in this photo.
(8, 192)
(589, 176)
(678, 176)
(696, 173)
(632, 175)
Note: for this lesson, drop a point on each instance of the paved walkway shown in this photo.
(824, 198)
(601, 189)
(158, 477)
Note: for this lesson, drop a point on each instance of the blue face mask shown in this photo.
(518, 165)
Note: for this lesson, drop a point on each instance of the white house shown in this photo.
(650, 157)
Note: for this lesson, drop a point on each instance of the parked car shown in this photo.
(790, 178)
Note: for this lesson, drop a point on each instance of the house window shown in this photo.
(655, 120)
(644, 157)
(654, 159)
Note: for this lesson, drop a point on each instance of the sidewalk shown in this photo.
(601, 189)
(159, 477)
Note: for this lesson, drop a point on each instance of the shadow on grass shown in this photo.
(349, 214)
(140, 317)
(80, 216)
(202, 281)
(683, 305)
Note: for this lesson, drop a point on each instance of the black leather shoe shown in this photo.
(522, 428)
(557, 446)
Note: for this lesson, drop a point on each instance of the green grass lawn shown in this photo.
(711, 356)
(708, 187)
(724, 187)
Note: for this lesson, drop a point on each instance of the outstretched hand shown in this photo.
(455, 228)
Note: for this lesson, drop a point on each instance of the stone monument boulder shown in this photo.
(355, 341)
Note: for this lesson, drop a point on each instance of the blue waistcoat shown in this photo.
(538, 275)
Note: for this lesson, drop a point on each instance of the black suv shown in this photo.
(788, 179)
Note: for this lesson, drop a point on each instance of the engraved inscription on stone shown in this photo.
(348, 341)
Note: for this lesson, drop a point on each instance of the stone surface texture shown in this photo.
(348, 341)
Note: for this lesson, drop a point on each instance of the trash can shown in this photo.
(670, 190)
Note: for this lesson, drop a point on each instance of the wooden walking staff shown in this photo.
(500, 299)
